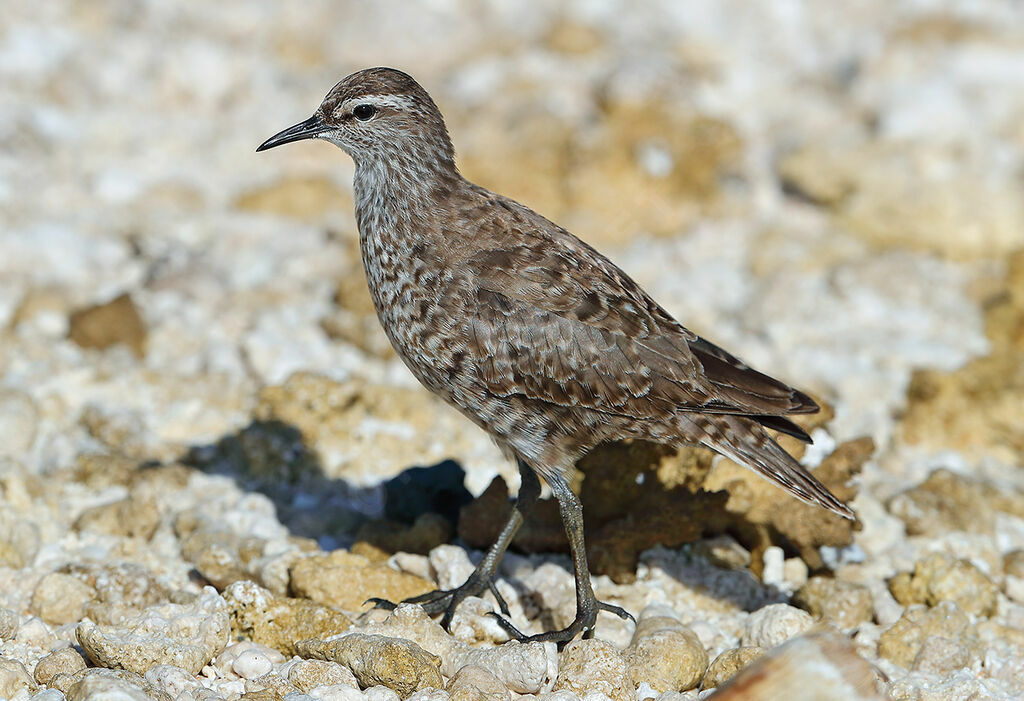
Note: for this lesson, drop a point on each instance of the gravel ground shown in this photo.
(205, 440)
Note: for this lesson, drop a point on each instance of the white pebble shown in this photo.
(336, 692)
(49, 695)
(252, 664)
(380, 693)
(774, 574)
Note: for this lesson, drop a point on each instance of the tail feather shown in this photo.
(746, 443)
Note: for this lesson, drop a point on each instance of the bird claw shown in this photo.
(583, 623)
(446, 600)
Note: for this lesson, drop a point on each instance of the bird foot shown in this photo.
(586, 617)
(447, 600)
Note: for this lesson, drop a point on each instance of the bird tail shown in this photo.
(746, 442)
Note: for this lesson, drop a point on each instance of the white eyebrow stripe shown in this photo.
(398, 102)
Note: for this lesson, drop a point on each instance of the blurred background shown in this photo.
(833, 191)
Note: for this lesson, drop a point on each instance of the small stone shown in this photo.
(939, 655)
(474, 683)
(665, 654)
(775, 624)
(36, 633)
(794, 571)
(375, 660)
(524, 668)
(822, 667)
(594, 665)
(220, 565)
(61, 598)
(183, 635)
(8, 623)
(108, 324)
(66, 660)
(380, 693)
(19, 540)
(48, 695)
(277, 621)
(1013, 563)
(945, 501)
(430, 695)
(938, 578)
(901, 643)
(267, 694)
(345, 581)
(175, 681)
(309, 674)
(266, 684)
(113, 684)
(13, 678)
(726, 665)
(252, 664)
(123, 590)
(774, 560)
(846, 604)
(133, 516)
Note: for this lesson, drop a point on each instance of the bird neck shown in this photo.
(400, 189)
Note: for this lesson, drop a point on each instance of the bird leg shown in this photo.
(482, 578)
(587, 605)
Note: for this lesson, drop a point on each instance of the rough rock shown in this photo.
(175, 681)
(66, 660)
(774, 624)
(974, 409)
(123, 589)
(587, 666)
(118, 684)
(276, 621)
(61, 598)
(309, 674)
(902, 643)
(104, 325)
(945, 501)
(524, 668)
(135, 516)
(474, 683)
(8, 623)
(13, 678)
(186, 636)
(727, 664)
(398, 664)
(354, 425)
(846, 604)
(344, 580)
(938, 578)
(820, 667)
(666, 655)
(19, 540)
(941, 655)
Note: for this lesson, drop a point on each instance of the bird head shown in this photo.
(376, 113)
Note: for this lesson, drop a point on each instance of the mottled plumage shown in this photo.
(528, 331)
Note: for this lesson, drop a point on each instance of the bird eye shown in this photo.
(364, 112)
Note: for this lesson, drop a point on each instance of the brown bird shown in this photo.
(532, 334)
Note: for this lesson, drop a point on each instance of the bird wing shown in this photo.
(556, 321)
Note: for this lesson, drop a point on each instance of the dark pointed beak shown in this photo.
(309, 129)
